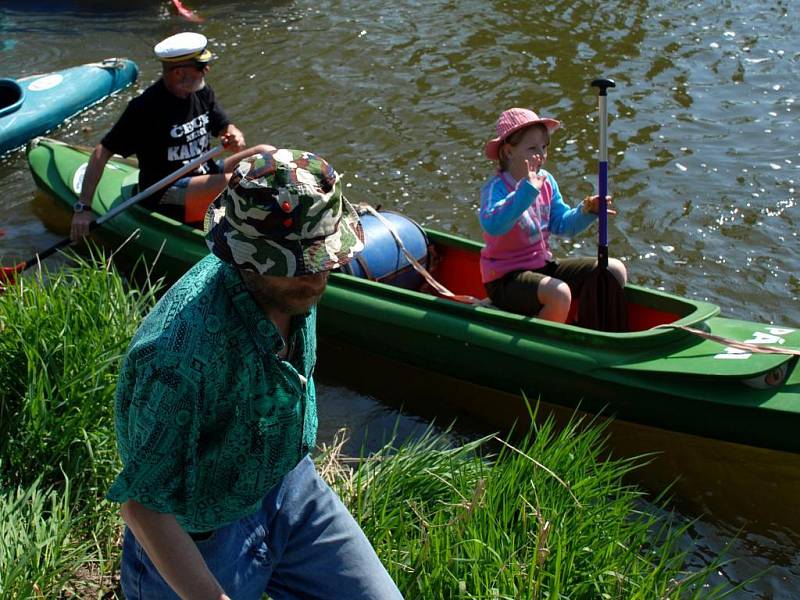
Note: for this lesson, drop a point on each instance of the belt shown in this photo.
(199, 536)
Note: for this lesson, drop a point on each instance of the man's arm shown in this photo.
(94, 171)
(173, 552)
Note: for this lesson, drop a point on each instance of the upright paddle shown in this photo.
(602, 301)
(602, 175)
(186, 13)
(7, 273)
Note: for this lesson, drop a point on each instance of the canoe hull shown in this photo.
(662, 378)
(46, 100)
(565, 376)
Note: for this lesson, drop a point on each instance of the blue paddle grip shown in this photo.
(603, 207)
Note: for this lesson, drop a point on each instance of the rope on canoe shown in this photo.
(746, 346)
(440, 289)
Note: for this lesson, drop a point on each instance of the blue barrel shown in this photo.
(382, 260)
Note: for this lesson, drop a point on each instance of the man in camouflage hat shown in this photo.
(307, 227)
(216, 410)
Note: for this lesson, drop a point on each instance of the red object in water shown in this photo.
(7, 274)
(186, 13)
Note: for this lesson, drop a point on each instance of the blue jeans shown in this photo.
(302, 543)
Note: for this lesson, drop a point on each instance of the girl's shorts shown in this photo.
(517, 291)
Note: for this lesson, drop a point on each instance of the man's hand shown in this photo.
(173, 552)
(79, 227)
(232, 139)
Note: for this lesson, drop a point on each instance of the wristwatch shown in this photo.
(79, 207)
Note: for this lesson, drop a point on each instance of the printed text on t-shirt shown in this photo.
(195, 139)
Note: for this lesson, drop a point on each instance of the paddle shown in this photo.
(7, 273)
(602, 300)
(186, 13)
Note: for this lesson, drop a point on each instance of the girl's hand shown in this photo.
(536, 180)
(591, 204)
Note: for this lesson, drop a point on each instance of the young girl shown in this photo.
(520, 207)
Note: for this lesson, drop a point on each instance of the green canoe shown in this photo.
(663, 377)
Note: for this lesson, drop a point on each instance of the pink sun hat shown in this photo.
(512, 120)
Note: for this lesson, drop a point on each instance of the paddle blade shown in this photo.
(8, 275)
(186, 13)
(602, 305)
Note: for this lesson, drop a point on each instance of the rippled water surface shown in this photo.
(400, 96)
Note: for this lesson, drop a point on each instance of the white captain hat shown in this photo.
(183, 46)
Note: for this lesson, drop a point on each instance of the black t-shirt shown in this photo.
(165, 132)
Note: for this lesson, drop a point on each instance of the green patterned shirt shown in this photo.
(208, 418)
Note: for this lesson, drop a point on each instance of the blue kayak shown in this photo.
(36, 104)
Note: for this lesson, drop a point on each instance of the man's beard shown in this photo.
(289, 295)
(192, 84)
(198, 85)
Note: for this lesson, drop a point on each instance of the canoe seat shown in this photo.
(11, 96)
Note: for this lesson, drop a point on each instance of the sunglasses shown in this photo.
(196, 65)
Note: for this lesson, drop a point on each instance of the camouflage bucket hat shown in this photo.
(283, 214)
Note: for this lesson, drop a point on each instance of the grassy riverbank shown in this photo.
(545, 518)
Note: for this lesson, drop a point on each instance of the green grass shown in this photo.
(61, 338)
(546, 519)
(60, 344)
(39, 548)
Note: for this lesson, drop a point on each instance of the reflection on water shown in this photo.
(400, 96)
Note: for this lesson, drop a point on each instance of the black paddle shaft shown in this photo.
(40, 256)
(158, 185)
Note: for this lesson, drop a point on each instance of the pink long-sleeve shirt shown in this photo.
(517, 220)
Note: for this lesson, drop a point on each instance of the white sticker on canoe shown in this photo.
(45, 83)
(771, 336)
(77, 179)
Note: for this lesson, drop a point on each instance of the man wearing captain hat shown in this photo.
(167, 126)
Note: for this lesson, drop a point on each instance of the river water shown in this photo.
(400, 97)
